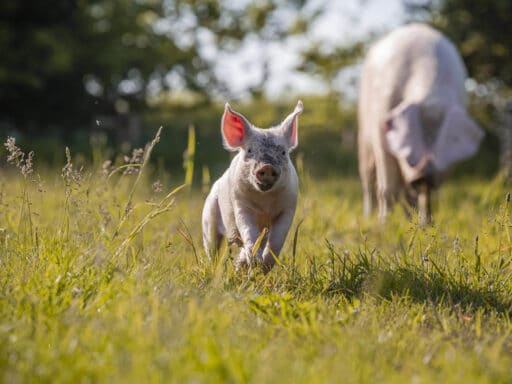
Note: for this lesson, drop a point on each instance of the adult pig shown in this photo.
(413, 123)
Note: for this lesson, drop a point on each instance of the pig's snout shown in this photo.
(266, 177)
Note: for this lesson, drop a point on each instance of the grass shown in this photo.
(103, 279)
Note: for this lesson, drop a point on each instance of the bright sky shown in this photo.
(343, 21)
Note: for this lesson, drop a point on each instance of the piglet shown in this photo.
(258, 191)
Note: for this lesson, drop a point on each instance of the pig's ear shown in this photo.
(290, 126)
(235, 129)
(458, 138)
(403, 136)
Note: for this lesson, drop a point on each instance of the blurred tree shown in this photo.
(482, 30)
(65, 61)
(328, 64)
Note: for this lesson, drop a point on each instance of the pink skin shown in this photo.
(413, 124)
(259, 189)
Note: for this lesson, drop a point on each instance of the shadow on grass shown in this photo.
(469, 286)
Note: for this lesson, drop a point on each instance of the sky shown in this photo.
(343, 22)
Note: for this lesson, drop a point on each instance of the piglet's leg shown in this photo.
(212, 225)
(249, 232)
(276, 238)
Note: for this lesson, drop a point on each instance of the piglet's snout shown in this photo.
(267, 175)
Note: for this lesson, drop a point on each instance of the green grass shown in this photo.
(104, 280)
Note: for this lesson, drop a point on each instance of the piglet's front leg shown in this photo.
(276, 238)
(249, 232)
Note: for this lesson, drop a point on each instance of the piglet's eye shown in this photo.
(249, 150)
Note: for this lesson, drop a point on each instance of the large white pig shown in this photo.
(258, 191)
(413, 122)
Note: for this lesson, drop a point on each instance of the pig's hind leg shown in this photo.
(213, 227)
(368, 175)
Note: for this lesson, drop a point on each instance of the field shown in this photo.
(103, 279)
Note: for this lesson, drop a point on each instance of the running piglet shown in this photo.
(258, 191)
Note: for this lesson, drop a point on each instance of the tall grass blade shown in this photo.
(294, 248)
(188, 238)
(147, 155)
(190, 156)
(257, 243)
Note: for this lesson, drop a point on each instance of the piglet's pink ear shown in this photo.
(291, 126)
(235, 129)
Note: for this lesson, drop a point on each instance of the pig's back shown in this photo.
(414, 63)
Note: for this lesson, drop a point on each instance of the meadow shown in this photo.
(103, 279)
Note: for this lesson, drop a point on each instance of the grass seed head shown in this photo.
(69, 174)
(106, 167)
(136, 159)
(18, 158)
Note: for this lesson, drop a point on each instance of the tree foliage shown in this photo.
(64, 61)
(483, 33)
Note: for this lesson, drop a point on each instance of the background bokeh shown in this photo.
(107, 73)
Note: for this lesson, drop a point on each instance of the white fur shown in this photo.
(414, 77)
(237, 211)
